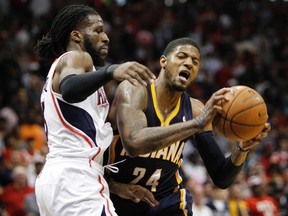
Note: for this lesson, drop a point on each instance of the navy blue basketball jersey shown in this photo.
(159, 171)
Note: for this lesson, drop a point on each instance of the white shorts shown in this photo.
(73, 187)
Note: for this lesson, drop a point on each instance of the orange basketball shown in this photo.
(244, 115)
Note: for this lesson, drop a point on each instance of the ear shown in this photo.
(163, 61)
(76, 36)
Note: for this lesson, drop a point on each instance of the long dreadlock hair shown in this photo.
(55, 42)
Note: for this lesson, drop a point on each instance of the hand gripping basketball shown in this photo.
(243, 116)
(247, 145)
(212, 106)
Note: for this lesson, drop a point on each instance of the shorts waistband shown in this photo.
(76, 161)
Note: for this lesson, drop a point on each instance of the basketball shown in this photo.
(243, 116)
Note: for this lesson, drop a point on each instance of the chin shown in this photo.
(180, 88)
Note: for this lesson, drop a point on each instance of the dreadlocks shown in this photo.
(55, 42)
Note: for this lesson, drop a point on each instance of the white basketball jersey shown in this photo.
(75, 130)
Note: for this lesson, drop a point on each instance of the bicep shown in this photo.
(197, 107)
(70, 64)
(75, 63)
(130, 102)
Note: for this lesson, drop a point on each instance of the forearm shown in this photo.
(222, 170)
(76, 88)
(151, 139)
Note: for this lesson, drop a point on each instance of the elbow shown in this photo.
(131, 151)
(132, 148)
(222, 183)
(136, 144)
(132, 154)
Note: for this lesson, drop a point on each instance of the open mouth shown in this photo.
(184, 75)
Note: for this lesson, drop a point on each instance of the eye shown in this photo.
(99, 30)
(195, 61)
(181, 56)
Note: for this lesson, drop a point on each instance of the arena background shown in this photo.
(242, 42)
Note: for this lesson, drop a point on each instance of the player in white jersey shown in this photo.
(75, 111)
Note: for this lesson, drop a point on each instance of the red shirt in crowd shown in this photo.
(13, 199)
(262, 206)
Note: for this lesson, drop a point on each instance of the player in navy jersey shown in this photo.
(154, 123)
(75, 109)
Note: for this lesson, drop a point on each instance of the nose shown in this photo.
(105, 38)
(188, 63)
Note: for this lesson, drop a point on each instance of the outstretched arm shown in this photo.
(75, 80)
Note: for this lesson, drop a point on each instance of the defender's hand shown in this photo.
(133, 72)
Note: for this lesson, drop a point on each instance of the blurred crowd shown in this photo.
(242, 43)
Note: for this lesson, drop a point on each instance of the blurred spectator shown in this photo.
(33, 132)
(3, 133)
(237, 204)
(30, 204)
(21, 104)
(34, 87)
(208, 187)
(14, 193)
(199, 208)
(193, 166)
(11, 118)
(35, 166)
(258, 170)
(265, 157)
(218, 202)
(259, 203)
(280, 156)
(40, 8)
(284, 196)
(12, 158)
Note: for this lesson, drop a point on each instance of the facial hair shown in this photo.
(97, 59)
(179, 88)
(173, 84)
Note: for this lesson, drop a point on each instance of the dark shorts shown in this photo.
(176, 204)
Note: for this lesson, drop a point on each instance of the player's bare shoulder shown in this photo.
(72, 62)
(197, 106)
(76, 59)
(135, 95)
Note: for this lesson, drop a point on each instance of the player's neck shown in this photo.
(166, 99)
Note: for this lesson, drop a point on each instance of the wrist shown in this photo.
(241, 149)
(200, 123)
(114, 187)
(111, 69)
